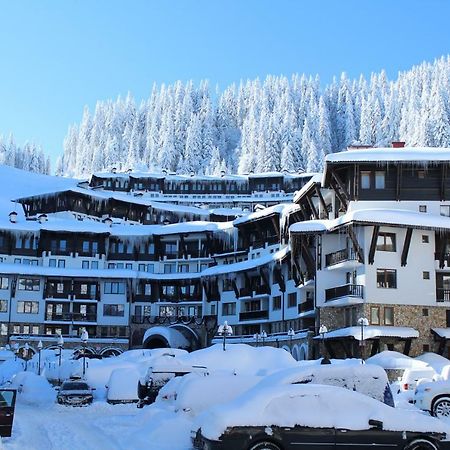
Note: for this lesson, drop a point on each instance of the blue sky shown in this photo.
(56, 56)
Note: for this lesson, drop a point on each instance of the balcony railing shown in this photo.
(340, 256)
(254, 315)
(245, 292)
(69, 317)
(445, 257)
(347, 290)
(306, 306)
(442, 295)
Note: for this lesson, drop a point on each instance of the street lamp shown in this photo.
(25, 353)
(256, 338)
(225, 330)
(39, 346)
(362, 322)
(84, 341)
(60, 343)
(291, 334)
(264, 335)
(322, 331)
(16, 350)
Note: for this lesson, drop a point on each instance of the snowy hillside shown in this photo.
(280, 123)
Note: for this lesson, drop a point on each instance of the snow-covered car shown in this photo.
(367, 379)
(159, 375)
(314, 416)
(412, 376)
(122, 386)
(75, 393)
(434, 397)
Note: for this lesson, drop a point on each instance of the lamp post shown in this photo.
(16, 350)
(26, 347)
(264, 335)
(362, 322)
(291, 334)
(322, 330)
(84, 341)
(39, 346)
(60, 343)
(256, 338)
(225, 330)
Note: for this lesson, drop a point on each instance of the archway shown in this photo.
(110, 351)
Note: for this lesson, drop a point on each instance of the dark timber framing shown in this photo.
(406, 246)
(373, 243)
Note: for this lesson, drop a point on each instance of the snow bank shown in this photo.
(437, 362)
(395, 360)
(33, 389)
(241, 358)
(310, 405)
(10, 368)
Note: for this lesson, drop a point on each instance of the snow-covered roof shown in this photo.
(371, 332)
(389, 359)
(388, 217)
(442, 332)
(246, 265)
(316, 178)
(281, 209)
(380, 155)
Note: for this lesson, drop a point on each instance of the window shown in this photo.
(63, 245)
(61, 263)
(29, 284)
(380, 179)
(386, 242)
(170, 248)
(227, 284)
(445, 210)
(292, 300)
(4, 283)
(375, 315)
(128, 266)
(150, 268)
(365, 180)
(83, 289)
(167, 311)
(425, 312)
(387, 278)
(141, 267)
(94, 265)
(423, 208)
(3, 306)
(94, 247)
(35, 329)
(228, 309)
(85, 246)
(183, 268)
(59, 288)
(27, 307)
(114, 310)
(276, 303)
(85, 264)
(3, 329)
(426, 275)
(425, 239)
(389, 315)
(17, 261)
(114, 287)
(52, 262)
(111, 266)
(421, 174)
(169, 268)
(426, 348)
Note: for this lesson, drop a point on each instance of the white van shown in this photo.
(412, 376)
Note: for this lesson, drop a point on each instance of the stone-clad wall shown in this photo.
(404, 316)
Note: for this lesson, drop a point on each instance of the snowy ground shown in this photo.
(98, 426)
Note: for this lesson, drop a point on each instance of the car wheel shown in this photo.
(421, 444)
(441, 408)
(265, 445)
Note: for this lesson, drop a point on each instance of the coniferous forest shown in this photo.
(277, 124)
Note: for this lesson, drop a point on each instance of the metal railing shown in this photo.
(442, 295)
(254, 315)
(340, 256)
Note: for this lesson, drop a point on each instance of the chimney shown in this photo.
(13, 217)
(42, 218)
(398, 144)
(113, 170)
(108, 221)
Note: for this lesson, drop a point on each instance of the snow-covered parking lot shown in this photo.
(41, 424)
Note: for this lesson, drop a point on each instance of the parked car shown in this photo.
(367, 379)
(159, 375)
(75, 393)
(314, 416)
(7, 406)
(434, 397)
(122, 386)
(412, 376)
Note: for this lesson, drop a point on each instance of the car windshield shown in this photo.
(75, 386)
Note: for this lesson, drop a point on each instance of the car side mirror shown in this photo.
(377, 424)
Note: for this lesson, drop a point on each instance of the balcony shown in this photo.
(306, 306)
(245, 292)
(254, 315)
(71, 317)
(340, 256)
(347, 290)
(261, 290)
(445, 259)
(442, 295)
